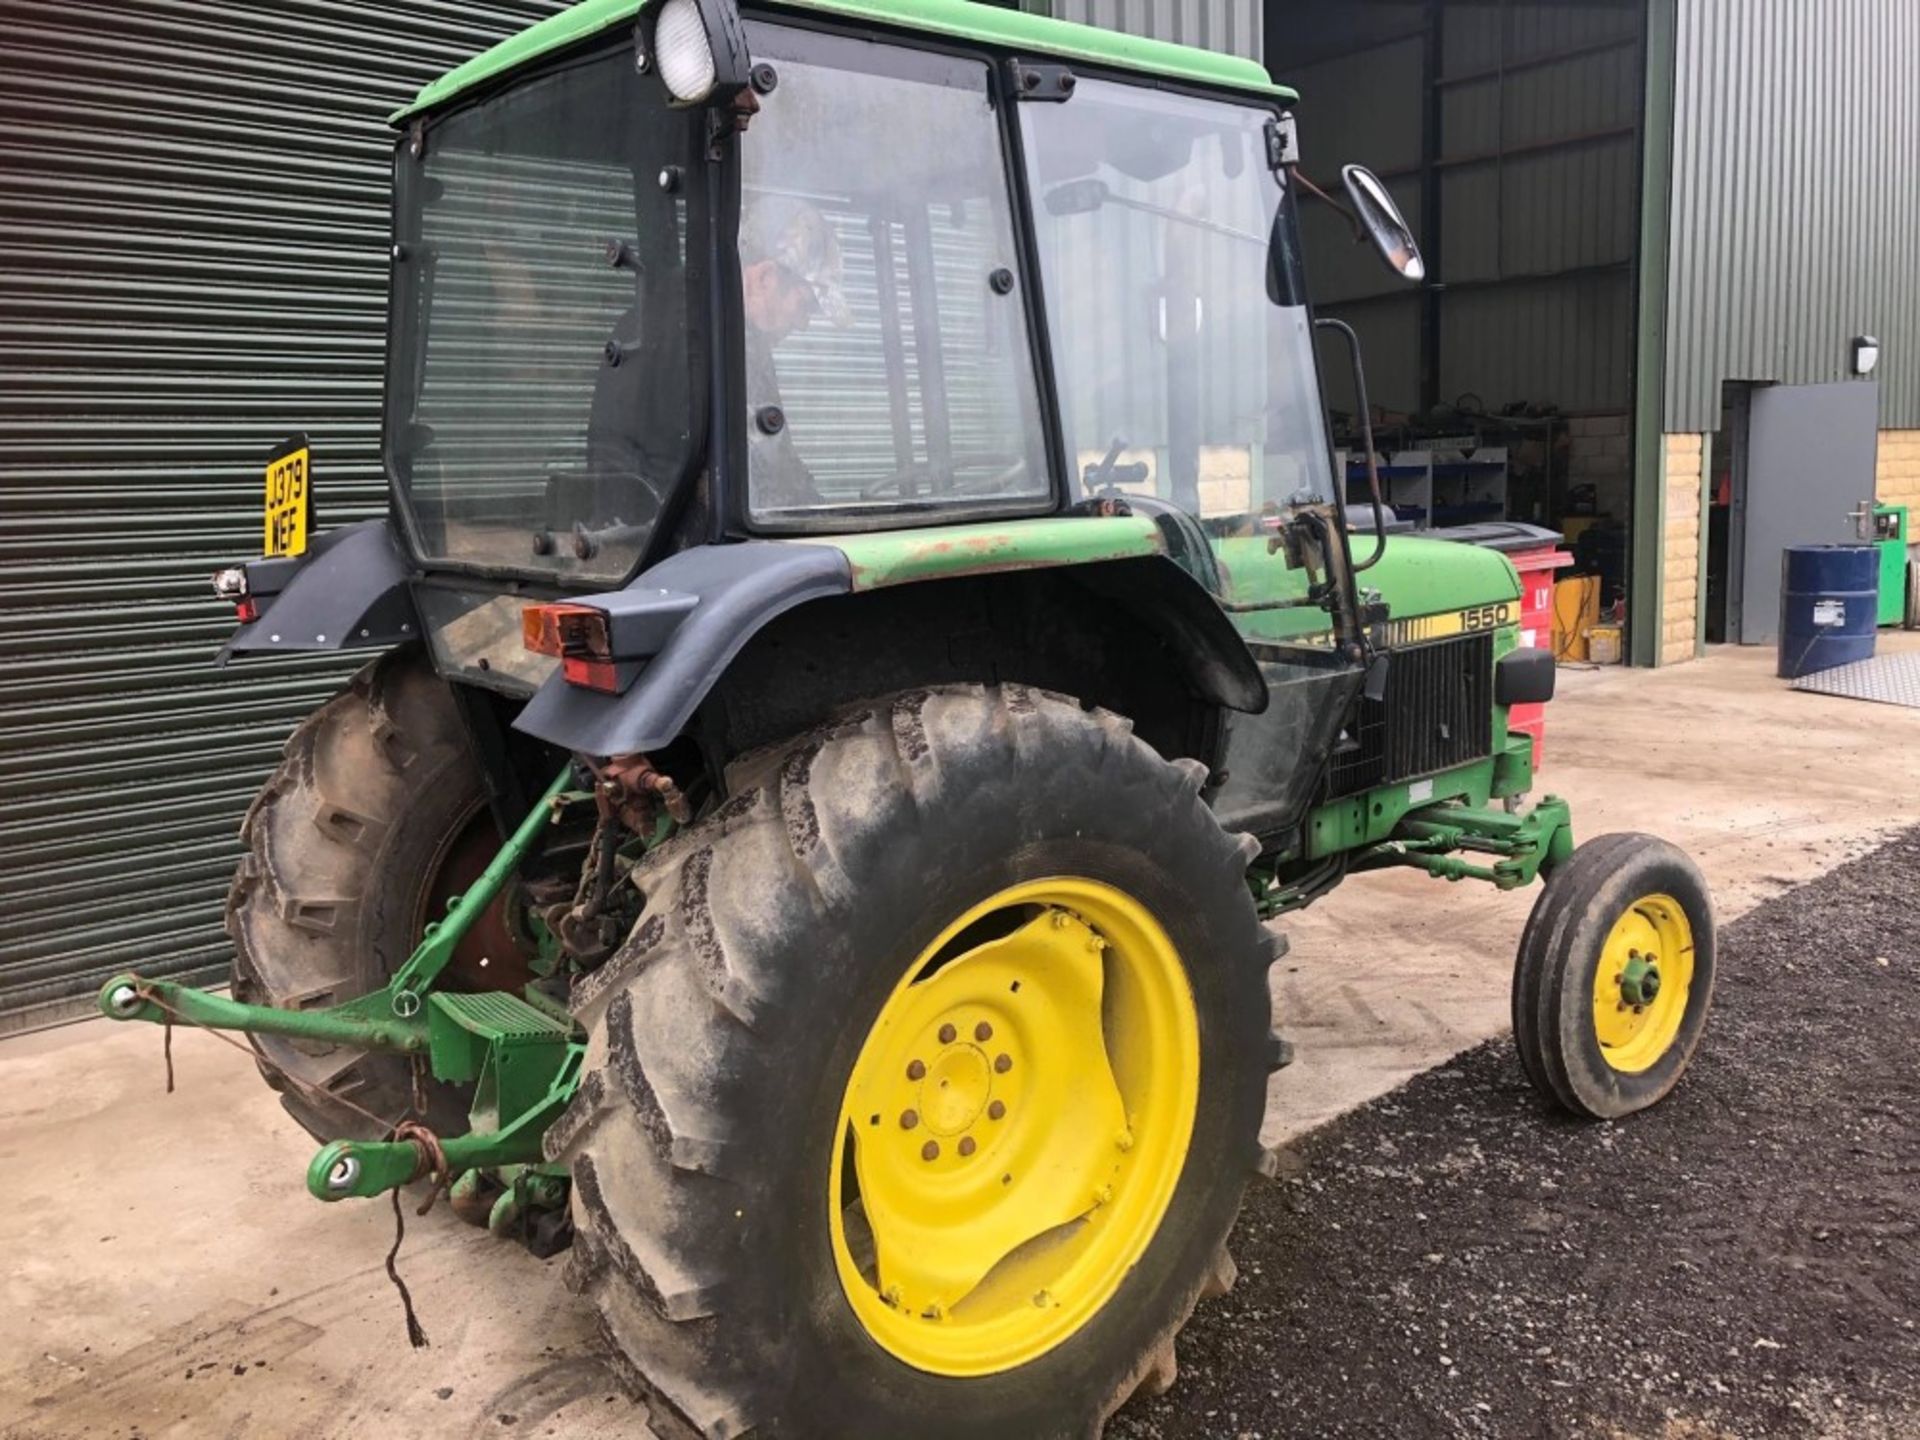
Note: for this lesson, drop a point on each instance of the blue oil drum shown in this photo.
(1829, 605)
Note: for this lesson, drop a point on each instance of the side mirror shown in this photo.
(1391, 235)
(1076, 197)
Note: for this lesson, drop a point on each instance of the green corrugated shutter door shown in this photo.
(193, 232)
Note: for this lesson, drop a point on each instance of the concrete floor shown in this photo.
(166, 1274)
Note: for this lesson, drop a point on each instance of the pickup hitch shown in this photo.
(521, 1052)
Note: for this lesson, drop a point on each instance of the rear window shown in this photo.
(543, 373)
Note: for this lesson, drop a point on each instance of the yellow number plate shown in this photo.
(289, 499)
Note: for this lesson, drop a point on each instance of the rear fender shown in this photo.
(736, 591)
(348, 592)
(740, 589)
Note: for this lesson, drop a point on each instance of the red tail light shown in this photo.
(602, 675)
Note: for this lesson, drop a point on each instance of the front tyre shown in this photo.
(1614, 976)
(923, 1095)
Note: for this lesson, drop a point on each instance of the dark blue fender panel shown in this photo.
(739, 588)
(348, 592)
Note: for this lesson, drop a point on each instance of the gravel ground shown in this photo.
(1742, 1260)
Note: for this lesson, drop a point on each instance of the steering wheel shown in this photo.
(1005, 475)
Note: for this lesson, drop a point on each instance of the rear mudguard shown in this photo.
(740, 588)
(348, 592)
(737, 589)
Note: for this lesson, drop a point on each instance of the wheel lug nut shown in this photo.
(1059, 919)
(930, 1150)
(996, 1110)
(1002, 1064)
(948, 1034)
(909, 1119)
(967, 1147)
(1042, 1299)
(983, 1032)
(916, 1071)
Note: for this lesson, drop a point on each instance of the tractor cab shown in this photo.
(931, 289)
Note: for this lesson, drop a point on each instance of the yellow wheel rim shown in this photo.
(1014, 1127)
(1640, 990)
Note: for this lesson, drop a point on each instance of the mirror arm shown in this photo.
(1359, 231)
(1366, 438)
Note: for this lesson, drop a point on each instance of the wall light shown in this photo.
(1866, 354)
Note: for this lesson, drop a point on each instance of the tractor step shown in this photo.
(500, 1015)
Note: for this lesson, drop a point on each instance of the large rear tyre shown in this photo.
(922, 1097)
(349, 848)
(1614, 976)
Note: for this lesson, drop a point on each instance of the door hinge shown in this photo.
(1283, 142)
(1040, 82)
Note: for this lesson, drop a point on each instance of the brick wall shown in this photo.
(1681, 547)
(1897, 471)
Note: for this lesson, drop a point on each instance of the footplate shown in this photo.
(524, 1056)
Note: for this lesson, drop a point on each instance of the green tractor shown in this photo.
(867, 632)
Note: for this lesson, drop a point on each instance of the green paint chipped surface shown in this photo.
(949, 19)
(898, 557)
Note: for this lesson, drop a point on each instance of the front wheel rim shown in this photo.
(1014, 1127)
(1642, 983)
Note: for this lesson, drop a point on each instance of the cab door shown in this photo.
(1184, 369)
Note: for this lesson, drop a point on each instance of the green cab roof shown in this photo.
(950, 19)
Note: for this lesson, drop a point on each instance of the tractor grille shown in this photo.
(1437, 713)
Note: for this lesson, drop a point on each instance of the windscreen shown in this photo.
(544, 380)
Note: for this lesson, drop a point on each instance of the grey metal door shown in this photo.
(1809, 462)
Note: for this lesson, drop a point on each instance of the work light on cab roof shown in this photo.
(700, 49)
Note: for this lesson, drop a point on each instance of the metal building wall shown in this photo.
(193, 231)
(1362, 103)
(1539, 203)
(1232, 27)
(1796, 137)
(1536, 157)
